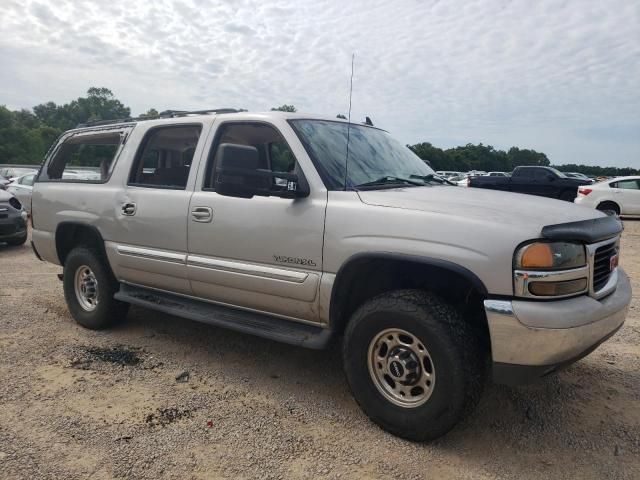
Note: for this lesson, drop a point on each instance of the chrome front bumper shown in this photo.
(531, 338)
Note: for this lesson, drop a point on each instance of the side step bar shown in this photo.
(273, 328)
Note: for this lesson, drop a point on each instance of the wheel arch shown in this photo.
(71, 234)
(608, 202)
(366, 275)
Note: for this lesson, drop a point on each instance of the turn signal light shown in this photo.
(538, 255)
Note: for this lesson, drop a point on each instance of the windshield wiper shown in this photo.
(432, 178)
(389, 180)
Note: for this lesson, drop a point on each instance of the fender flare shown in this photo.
(343, 273)
(83, 225)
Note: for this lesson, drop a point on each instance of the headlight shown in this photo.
(551, 256)
(547, 270)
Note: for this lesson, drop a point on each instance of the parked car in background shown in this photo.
(581, 176)
(460, 180)
(542, 181)
(4, 182)
(13, 172)
(13, 220)
(497, 174)
(620, 195)
(21, 188)
(448, 174)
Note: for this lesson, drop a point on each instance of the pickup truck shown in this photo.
(542, 181)
(311, 230)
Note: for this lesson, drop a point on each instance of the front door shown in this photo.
(261, 253)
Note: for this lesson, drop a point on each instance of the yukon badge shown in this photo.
(307, 262)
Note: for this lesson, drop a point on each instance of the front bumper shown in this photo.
(13, 228)
(532, 339)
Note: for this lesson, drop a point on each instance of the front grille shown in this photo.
(602, 265)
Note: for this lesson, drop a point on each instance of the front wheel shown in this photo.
(413, 364)
(89, 287)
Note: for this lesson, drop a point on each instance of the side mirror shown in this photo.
(237, 175)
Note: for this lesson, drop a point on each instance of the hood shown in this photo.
(5, 196)
(515, 209)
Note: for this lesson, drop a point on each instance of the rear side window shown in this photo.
(84, 157)
(165, 156)
(626, 184)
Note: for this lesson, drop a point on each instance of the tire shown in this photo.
(18, 241)
(458, 363)
(100, 285)
(568, 196)
(609, 206)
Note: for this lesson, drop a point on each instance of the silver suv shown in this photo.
(306, 229)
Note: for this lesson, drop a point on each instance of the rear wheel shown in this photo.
(413, 364)
(89, 287)
(610, 207)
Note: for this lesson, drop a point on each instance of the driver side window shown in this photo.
(273, 151)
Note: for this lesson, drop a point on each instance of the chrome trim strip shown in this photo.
(151, 254)
(523, 277)
(247, 269)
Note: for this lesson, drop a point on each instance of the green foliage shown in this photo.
(26, 136)
(487, 158)
(151, 113)
(284, 108)
(596, 171)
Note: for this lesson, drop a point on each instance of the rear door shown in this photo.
(627, 195)
(149, 242)
(523, 180)
(260, 253)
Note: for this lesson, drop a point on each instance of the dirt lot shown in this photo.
(81, 404)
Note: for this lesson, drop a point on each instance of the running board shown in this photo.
(265, 326)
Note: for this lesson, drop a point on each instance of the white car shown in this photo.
(21, 188)
(620, 195)
(448, 174)
(497, 174)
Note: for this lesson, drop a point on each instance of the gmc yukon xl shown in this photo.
(308, 230)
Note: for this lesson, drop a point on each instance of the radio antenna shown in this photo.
(346, 160)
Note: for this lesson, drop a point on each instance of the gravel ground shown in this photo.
(162, 397)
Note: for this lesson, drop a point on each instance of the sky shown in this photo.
(561, 77)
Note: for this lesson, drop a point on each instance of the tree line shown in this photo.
(26, 135)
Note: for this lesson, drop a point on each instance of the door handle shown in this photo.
(202, 214)
(128, 209)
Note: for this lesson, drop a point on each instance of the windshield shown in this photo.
(375, 158)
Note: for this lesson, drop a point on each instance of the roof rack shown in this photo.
(164, 114)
